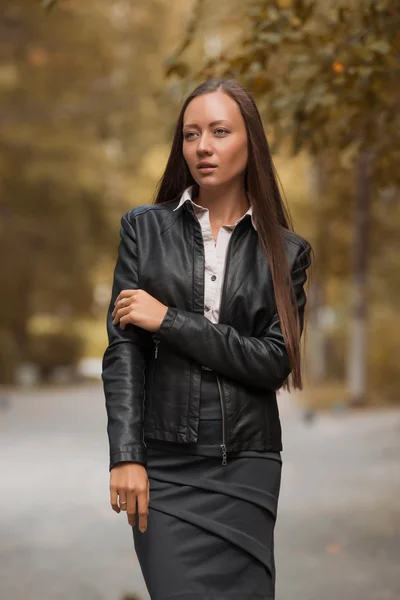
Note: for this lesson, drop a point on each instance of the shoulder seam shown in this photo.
(131, 213)
(295, 238)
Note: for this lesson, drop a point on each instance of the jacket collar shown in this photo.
(186, 197)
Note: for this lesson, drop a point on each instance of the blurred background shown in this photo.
(89, 95)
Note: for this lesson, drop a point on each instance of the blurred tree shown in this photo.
(326, 77)
(79, 117)
(48, 3)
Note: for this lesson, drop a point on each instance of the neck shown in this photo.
(226, 203)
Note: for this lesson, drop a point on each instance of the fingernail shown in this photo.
(142, 529)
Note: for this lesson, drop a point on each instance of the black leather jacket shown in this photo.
(152, 380)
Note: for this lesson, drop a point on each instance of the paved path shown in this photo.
(338, 529)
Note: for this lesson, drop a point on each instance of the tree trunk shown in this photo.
(357, 359)
(317, 343)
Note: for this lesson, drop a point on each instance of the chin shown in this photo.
(208, 184)
(209, 181)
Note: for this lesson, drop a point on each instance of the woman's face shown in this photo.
(214, 132)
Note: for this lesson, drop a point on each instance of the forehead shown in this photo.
(211, 107)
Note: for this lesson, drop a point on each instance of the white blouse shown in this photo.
(215, 254)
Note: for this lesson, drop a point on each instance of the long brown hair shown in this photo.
(270, 212)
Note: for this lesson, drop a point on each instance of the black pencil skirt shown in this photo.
(210, 532)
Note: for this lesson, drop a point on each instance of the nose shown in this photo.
(204, 145)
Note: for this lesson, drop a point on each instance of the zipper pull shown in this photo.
(156, 342)
(224, 454)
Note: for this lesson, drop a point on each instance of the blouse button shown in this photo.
(207, 308)
(213, 277)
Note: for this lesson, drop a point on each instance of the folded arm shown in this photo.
(258, 361)
(123, 364)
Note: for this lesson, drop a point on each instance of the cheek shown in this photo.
(236, 155)
(188, 154)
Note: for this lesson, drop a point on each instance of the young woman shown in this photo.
(204, 327)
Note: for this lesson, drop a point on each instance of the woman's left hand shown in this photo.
(138, 308)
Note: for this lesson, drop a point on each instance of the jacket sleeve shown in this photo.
(124, 363)
(257, 361)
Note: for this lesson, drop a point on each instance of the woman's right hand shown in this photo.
(130, 483)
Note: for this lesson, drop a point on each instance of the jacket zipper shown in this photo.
(156, 342)
(224, 450)
(223, 445)
(223, 410)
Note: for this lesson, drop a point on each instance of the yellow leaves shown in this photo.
(9, 76)
(305, 72)
(295, 21)
(179, 67)
(348, 155)
(270, 37)
(154, 160)
(380, 46)
(319, 96)
(338, 67)
(295, 36)
(48, 3)
(284, 3)
(261, 84)
(37, 56)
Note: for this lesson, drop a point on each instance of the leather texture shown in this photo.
(152, 380)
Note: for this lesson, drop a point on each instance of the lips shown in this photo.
(206, 165)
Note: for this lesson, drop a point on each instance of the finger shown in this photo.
(122, 501)
(143, 510)
(120, 313)
(120, 304)
(125, 294)
(114, 499)
(131, 508)
(126, 319)
(123, 304)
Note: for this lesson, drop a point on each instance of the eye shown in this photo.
(188, 134)
(222, 130)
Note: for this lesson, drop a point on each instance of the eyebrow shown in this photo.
(210, 124)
